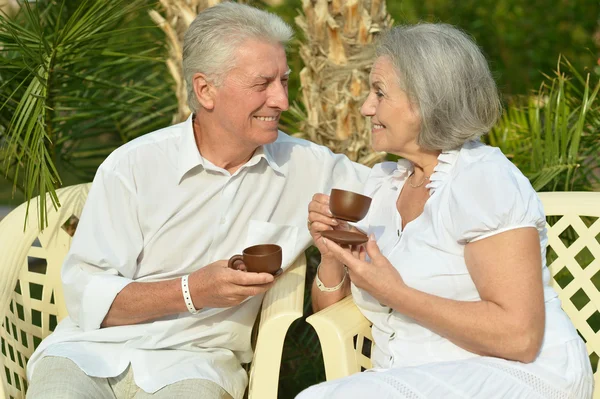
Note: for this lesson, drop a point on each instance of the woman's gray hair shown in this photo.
(447, 77)
(211, 40)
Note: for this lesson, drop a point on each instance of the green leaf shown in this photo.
(77, 79)
(552, 135)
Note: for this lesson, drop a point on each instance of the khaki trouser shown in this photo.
(57, 377)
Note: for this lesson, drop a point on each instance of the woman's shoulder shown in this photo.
(386, 171)
(476, 152)
(484, 166)
(488, 193)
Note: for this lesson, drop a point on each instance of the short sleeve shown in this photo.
(488, 198)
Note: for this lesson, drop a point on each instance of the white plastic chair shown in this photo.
(31, 299)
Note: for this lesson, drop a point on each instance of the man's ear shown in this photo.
(204, 91)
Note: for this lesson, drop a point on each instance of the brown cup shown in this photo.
(264, 258)
(348, 205)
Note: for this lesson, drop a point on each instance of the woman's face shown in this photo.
(395, 122)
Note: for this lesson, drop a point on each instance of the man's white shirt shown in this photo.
(158, 210)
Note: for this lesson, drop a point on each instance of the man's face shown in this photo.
(248, 104)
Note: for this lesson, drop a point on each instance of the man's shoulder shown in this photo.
(145, 147)
(306, 157)
(299, 147)
(286, 139)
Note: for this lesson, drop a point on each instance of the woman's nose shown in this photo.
(368, 107)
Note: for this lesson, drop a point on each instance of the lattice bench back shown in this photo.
(574, 261)
(31, 300)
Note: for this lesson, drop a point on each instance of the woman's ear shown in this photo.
(204, 91)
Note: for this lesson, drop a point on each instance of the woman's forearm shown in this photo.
(331, 272)
(481, 327)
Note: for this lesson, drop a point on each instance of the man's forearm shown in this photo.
(142, 302)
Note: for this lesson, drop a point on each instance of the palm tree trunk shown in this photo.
(9, 7)
(337, 55)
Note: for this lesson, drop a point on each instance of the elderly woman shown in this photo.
(453, 276)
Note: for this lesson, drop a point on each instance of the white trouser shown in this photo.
(57, 377)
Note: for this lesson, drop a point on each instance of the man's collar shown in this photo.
(189, 155)
(266, 152)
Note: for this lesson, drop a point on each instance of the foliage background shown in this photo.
(521, 38)
(103, 88)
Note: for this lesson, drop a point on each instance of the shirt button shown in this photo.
(222, 221)
(393, 335)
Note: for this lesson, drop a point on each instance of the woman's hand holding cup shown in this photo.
(320, 219)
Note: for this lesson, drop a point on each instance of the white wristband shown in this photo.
(186, 295)
(322, 287)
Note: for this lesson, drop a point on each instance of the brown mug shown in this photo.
(348, 205)
(263, 258)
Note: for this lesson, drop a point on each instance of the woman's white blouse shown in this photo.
(475, 192)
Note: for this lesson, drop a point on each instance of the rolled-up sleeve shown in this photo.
(103, 256)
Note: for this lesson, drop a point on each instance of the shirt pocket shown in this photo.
(286, 236)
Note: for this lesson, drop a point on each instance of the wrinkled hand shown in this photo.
(377, 276)
(218, 286)
(321, 219)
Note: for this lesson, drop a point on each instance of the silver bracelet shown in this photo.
(187, 297)
(322, 287)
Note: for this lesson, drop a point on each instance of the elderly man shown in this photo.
(168, 209)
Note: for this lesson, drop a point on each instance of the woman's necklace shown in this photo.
(410, 181)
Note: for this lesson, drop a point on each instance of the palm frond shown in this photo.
(549, 134)
(76, 82)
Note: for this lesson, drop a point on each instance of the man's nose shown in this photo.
(278, 97)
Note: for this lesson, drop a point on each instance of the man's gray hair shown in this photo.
(447, 77)
(212, 38)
